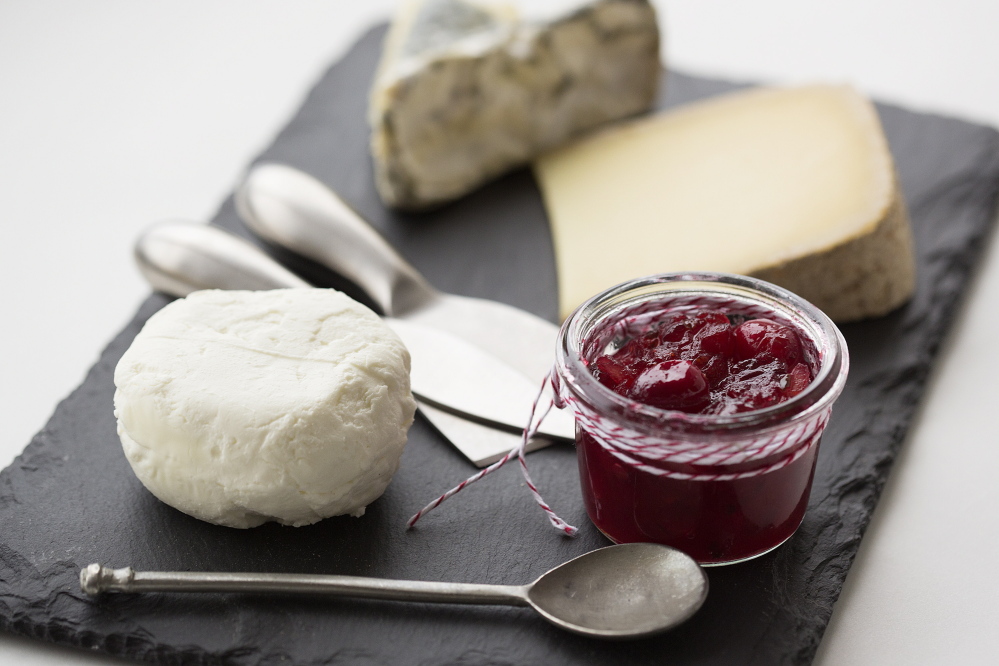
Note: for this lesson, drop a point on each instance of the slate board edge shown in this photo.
(62, 633)
(913, 401)
(965, 270)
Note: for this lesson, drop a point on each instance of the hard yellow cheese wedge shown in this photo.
(795, 186)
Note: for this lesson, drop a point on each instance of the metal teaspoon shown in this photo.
(623, 591)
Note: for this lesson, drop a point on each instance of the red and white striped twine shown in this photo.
(620, 442)
(529, 432)
(627, 444)
(703, 451)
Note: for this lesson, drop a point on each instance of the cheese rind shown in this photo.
(243, 407)
(865, 277)
(795, 186)
(467, 90)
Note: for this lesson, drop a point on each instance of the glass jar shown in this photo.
(722, 488)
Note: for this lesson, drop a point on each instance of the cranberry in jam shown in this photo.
(718, 468)
(701, 362)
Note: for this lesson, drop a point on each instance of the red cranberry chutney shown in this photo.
(702, 362)
(712, 362)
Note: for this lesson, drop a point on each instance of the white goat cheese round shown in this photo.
(242, 407)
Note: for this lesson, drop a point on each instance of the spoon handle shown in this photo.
(95, 579)
(290, 208)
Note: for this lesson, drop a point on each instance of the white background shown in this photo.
(117, 113)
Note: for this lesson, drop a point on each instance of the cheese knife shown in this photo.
(461, 389)
(291, 209)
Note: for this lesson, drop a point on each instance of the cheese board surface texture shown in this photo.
(70, 499)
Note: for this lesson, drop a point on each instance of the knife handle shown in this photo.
(180, 257)
(290, 208)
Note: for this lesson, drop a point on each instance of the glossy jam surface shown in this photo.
(708, 362)
(703, 362)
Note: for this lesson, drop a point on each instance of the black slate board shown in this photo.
(70, 498)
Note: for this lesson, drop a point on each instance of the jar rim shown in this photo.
(823, 333)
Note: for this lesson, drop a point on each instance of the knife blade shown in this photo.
(179, 257)
(497, 398)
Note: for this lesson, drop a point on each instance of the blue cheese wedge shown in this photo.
(468, 90)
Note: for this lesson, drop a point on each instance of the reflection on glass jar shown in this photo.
(721, 487)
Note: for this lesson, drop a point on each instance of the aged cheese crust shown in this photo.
(467, 91)
(866, 277)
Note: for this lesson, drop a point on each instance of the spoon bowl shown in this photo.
(625, 591)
